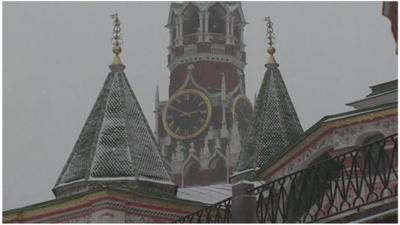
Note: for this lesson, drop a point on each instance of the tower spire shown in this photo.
(116, 39)
(275, 124)
(270, 41)
(116, 147)
(224, 130)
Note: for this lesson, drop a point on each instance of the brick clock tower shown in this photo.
(202, 126)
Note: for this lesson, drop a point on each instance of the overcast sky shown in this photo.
(56, 57)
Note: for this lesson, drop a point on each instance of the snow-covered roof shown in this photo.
(116, 141)
(208, 194)
(275, 124)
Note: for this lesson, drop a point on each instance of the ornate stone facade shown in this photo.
(333, 135)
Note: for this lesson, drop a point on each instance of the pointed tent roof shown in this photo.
(116, 142)
(275, 123)
(116, 145)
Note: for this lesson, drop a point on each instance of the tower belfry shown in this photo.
(206, 60)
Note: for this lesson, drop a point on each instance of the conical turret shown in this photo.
(116, 147)
(276, 124)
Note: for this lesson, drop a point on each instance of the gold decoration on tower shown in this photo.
(270, 40)
(116, 39)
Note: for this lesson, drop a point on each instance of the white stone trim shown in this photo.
(190, 79)
(339, 138)
(206, 57)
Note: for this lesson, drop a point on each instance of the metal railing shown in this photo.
(365, 177)
(361, 178)
(219, 212)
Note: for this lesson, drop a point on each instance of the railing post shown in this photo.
(243, 204)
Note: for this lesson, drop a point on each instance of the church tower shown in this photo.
(202, 125)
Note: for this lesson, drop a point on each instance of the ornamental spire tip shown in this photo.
(270, 40)
(116, 39)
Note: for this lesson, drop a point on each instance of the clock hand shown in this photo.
(192, 112)
(180, 111)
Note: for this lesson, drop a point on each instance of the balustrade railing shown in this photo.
(220, 212)
(190, 38)
(361, 178)
(218, 49)
(190, 49)
(217, 38)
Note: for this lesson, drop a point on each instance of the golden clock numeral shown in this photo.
(186, 132)
(200, 103)
(177, 130)
(195, 127)
(187, 97)
(203, 111)
(171, 124)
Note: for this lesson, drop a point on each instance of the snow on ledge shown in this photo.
(117, 179)
(244, 171)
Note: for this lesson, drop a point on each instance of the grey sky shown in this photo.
(56, 57)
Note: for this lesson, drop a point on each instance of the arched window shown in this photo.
(192, 174)
(236, 25)
(376, 159)
(191, 21)
(218, 170)
(217, 19)
(310, 185)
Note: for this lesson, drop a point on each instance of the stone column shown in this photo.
(206, 35)
(229, 35)
(179, 31)
(181, 26)
(227, 24)
(201, 34)
(176, 31)
(232, 27)
(227, 29)
(232, 23)
(243, 204)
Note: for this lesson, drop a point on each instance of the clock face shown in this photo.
(242, 112)
(187, 114)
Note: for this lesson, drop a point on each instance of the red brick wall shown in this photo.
(206, 73)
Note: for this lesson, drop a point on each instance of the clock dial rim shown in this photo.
(205, 99)
(235, 102)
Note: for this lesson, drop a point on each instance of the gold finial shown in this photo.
(271, 40)
(116, 39)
